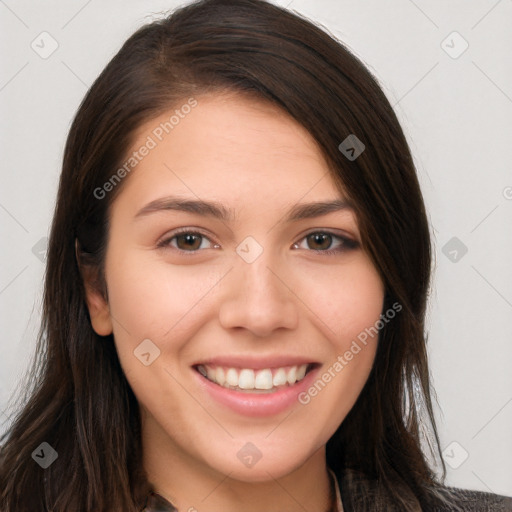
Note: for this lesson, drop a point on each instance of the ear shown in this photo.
(97, 304)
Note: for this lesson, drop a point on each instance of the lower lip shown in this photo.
(257, 404)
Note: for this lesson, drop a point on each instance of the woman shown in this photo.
(236, 286)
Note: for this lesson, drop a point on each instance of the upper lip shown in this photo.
(255, 363)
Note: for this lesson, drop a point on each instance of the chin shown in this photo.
(269, 461)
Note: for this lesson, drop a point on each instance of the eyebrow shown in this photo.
(219, 211)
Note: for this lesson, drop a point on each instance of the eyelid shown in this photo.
(166, 239)
(348, 242)
(328, 231)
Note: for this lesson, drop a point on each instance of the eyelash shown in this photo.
(347, 243)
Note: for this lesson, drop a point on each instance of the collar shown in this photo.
(339, 504)
(157, 503)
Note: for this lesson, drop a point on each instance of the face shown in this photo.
(235, 331)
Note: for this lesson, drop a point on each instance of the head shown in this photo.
(245, 105)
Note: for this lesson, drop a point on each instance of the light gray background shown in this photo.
(457, 114)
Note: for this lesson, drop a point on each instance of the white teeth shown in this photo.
(263, 379)
(246, 379)
(249, 379)
(232, 377)
(219, 376)
(292, 374)
(301, 371)
(279, 378)
(210, 373)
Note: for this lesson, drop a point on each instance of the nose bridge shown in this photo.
(257, 297)
(259, 278)
(254, 263)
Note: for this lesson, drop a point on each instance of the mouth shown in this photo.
(250, 380)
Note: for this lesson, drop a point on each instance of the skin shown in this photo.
(253, 158)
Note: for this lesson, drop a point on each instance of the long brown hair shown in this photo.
(77, 398)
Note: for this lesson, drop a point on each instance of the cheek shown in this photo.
(351, 308)
(347, 302)
(345, 299)
(151, 299)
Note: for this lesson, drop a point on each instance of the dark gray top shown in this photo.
(360, 494)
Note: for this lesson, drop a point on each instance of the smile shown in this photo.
(265, 380)
(252, 386)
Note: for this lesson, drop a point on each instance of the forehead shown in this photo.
(230, 148)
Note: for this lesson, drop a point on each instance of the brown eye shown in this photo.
(322, 241)
(319, 241)
(188, 241)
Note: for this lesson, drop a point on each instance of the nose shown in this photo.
(258, 298)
